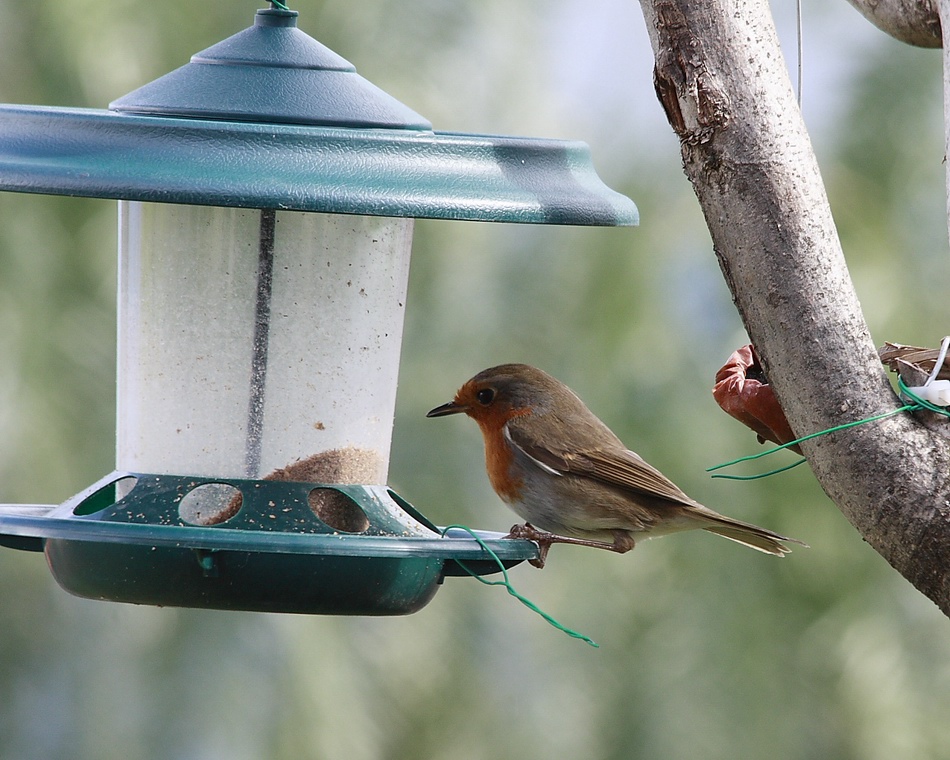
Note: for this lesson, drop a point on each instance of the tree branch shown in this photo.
(722, 81)
(912, 21)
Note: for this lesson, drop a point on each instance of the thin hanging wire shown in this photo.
(798, 26)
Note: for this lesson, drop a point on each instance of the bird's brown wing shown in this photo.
(621, 468)
(628, 470)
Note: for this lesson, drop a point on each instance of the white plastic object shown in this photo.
(251, 339)
(936, 392)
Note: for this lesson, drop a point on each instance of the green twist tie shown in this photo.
(511, 589)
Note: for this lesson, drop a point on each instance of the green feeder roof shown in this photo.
(270, 118)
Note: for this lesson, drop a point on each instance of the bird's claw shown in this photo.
(541, 538)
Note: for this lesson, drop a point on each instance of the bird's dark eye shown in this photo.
(485, 396)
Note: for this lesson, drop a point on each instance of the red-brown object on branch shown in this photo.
(743, 392)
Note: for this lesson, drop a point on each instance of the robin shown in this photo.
(562, 470)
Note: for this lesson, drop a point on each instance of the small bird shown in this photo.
(564, 471)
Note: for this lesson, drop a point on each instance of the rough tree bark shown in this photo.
(912, 21)
(722, 81)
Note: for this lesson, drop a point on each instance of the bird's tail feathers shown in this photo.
(753, 536)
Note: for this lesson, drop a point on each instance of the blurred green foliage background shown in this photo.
(707, 650)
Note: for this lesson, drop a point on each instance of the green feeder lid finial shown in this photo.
(271, 72)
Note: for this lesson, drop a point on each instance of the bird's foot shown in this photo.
(622, 541)
(542, 538)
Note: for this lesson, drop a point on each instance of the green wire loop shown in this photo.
(916, 404)
(279, 5)
(511, 589)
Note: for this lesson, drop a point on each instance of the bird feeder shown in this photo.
(266, 201)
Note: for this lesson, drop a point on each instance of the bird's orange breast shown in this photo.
(499, 456)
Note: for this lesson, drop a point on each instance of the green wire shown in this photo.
(511, 589)
(753, 477)
(917, 403)
(279, 5)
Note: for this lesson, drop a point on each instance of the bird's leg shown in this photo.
(622, 542)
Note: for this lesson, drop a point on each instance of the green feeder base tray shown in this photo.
(262, 545)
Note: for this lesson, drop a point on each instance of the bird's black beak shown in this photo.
(449, 408)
